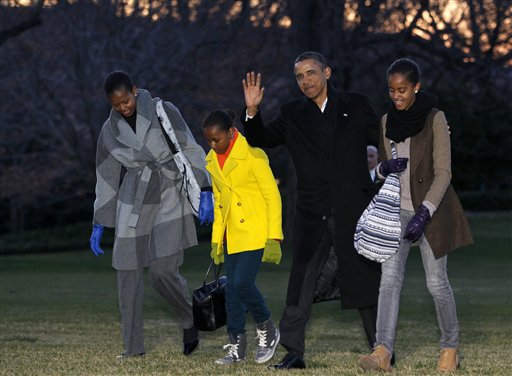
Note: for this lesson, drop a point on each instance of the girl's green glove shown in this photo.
(217, 259)
(272, 252)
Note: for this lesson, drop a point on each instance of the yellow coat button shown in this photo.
(242, 220)
(220, 206)
(239, 203)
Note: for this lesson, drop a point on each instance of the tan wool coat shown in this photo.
(430, 175)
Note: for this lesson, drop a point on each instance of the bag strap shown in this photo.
(189, 183)
(215, 269)
(166, 125)
(168, 140)
(394, 153)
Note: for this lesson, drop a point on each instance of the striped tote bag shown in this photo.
(378, 230)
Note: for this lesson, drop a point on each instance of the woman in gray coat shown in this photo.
(430, 211)
(146, 205)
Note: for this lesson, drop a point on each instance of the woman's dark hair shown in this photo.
(407, 67)
(318, 57)
(220, 118)
(117, 80)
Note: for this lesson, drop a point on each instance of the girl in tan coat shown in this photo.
(430, 211)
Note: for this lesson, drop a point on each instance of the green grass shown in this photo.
(59, 316)
(49, 239)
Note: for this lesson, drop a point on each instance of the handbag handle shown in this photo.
(216, 272)
(394, 152)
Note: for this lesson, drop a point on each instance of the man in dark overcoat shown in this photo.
(326, 132)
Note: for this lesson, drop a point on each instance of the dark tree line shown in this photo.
(54, 55)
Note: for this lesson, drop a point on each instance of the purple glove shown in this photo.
(393, 165)
(97, 233)
(417, 224)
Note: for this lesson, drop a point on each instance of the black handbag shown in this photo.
(209, 302)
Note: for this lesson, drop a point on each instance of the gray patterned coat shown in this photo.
(147, 205)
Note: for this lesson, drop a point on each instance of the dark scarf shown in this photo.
(402, 124)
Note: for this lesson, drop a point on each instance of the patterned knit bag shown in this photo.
(378, 231)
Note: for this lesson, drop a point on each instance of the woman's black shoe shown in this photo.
(189, 347)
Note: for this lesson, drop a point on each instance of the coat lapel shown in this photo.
(338, 108)
(213, 167)
(306, 109)
(417, 149)
(122, 130)
(145, 113)
(313, 122)
(229, 166)
(336, 115)
(239, 152)
(420, 141)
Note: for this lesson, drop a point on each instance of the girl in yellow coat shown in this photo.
(246, 231)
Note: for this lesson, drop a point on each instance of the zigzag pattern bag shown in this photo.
(378, 230)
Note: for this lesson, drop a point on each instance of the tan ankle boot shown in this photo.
(379, 360)
(448, 360)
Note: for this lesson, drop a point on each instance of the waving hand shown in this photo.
(253, 92)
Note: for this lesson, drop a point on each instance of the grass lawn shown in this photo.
(59, 316)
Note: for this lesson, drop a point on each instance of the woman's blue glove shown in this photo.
(417, 224)
(206, 208)
(393, 166)
(97, 233)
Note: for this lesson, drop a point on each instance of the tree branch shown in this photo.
(34, 21)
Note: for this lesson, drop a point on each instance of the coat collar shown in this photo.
(419, 142)
(236, 156)
(145, 112)
(333, 95)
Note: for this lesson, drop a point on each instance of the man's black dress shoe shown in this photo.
(189, 347)
(290, 361)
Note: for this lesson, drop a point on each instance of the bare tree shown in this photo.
(196, 53)
(13, 30)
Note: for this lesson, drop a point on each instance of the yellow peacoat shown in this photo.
(247, 201)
